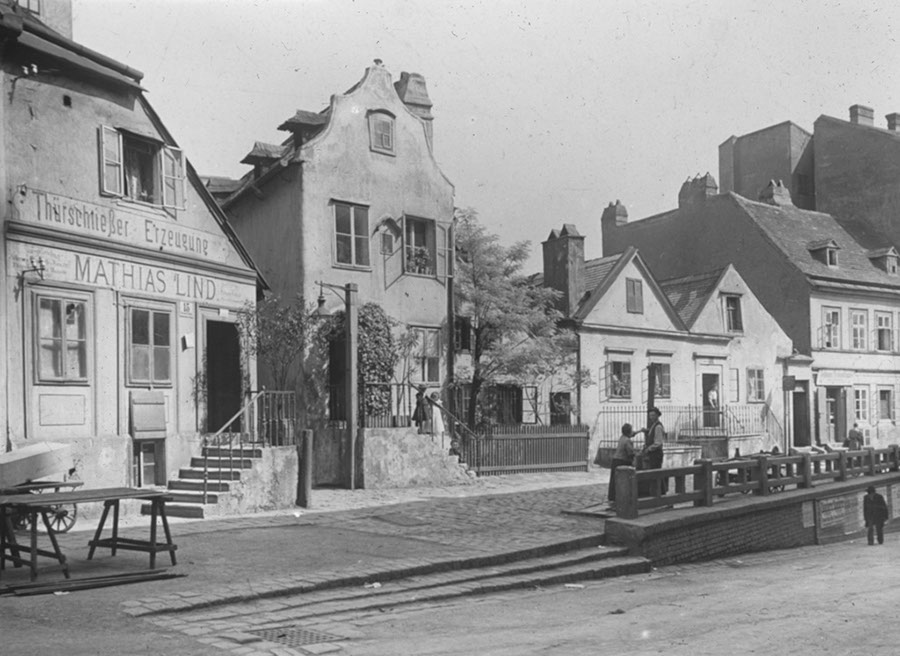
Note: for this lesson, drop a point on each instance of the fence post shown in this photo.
(807, 470)
(762, 476)
(703, 481)
(842, 466)
(304, 480)
(626, 492)
(873, 466)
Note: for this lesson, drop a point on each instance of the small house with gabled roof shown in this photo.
(837, 300)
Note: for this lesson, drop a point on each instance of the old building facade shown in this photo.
(122, 277)
(835, 299)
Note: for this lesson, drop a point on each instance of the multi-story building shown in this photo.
(702, 348)
(122, 276)
(837, 300)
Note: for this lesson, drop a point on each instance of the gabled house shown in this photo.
(700, 347)
(353, 197)
(122, 275)
(835, 299)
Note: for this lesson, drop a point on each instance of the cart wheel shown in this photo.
(62, 518)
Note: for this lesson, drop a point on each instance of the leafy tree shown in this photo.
(514, 322)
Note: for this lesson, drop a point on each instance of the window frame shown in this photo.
(634, 296)
(462, 334)
(665, 374)
(881, 329)
(831, 329)
(424, 360)
(734, 317)
(168, 169)
(153, 310)
(861, 403)
(756, 385)
(64, 298)
(890, 392)
(355, 240)
(377, 141)
(831, 256)
(624, 367)
(859, 333)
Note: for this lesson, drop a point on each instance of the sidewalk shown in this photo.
(346, 533)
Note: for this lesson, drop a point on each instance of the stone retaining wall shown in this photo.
(400, 457)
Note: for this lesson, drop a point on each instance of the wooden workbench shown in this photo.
(40, 505)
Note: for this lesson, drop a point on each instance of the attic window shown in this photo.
(381, 132)
(887, 260)
(825, 250)
(831, 257)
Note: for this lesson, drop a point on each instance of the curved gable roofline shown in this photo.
(368, 76)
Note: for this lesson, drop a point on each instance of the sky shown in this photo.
(545, 110)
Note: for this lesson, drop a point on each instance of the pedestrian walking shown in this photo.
(421, 414)
(623, 457)
(875, 513)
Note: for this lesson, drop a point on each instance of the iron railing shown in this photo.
(271, 417)
(511, 449)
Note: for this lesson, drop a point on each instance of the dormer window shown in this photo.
(886, 259)
(381, 132)
(825, 251)
(734, 322)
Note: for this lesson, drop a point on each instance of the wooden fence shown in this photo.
(707, 480)
(517, 449)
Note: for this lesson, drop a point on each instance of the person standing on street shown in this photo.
(875, 513)
(855, 438)
(623, 457)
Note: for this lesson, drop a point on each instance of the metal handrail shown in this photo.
(207, 439)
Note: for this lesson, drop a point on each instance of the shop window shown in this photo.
(381, 132)
(150, 347)
(351, 234)
(141, 169)
(429, 355)
(634, 296)
(61, 340)
(756, 388)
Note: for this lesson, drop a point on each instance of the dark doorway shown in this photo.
(223, 375)
(835, 414)
(802, 435)
(711, 409)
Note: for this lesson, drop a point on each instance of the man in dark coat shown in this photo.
(875, 512)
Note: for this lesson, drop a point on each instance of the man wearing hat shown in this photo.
(875, 512)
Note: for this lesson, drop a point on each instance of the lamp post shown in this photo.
(351, 389)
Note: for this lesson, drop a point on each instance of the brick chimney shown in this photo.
(775, 193)
(697, 190)
(564, 266)
(614, 214)
(893, 122)
(412, 91)
(862, 115)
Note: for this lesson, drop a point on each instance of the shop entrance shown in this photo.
(223, 375)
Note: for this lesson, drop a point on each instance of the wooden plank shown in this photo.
(81, 496)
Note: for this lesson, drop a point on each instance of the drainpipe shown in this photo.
(351, 325)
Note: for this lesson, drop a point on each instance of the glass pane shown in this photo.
(76, 360)
(361, 222)
(50, 359)
(140, 363)
(362, 251)
(140, 327)
(49, 320)
(161, 364)
(343, 249)
(342, 219)
(75, 321)
(111, 179)
(160, 329)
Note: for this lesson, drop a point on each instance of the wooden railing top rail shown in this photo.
(762, 474)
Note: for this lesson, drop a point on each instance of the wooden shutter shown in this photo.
(172, 167)
(110, 161)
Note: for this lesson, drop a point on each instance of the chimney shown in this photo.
(564, 267)
(893, 121)
(412, 91)
(614, 214)
(697, 190)
(862, 115)
(775, 193)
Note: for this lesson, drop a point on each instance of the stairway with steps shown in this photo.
(224, 466)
